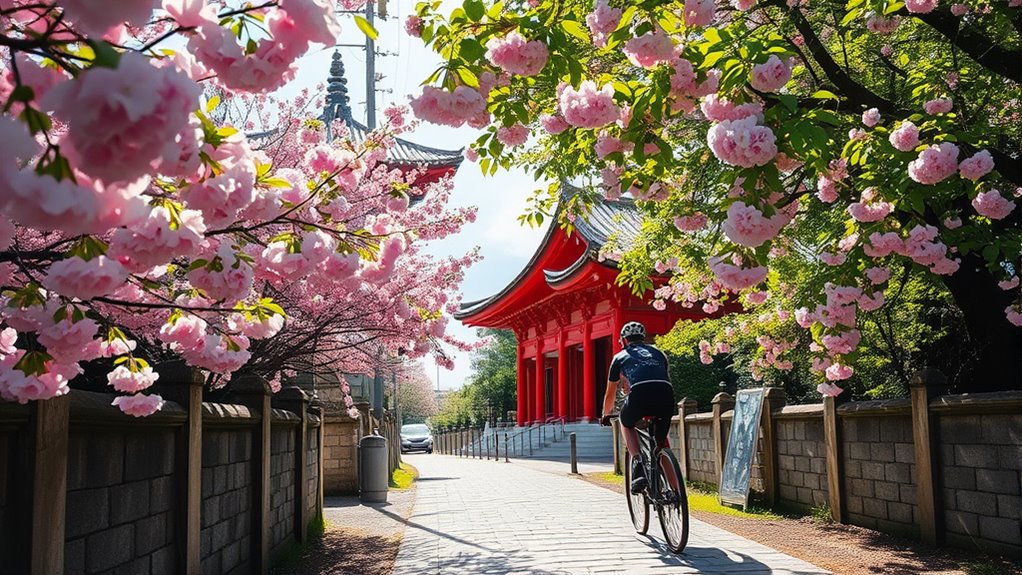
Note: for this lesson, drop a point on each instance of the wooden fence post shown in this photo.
(832, 438)
(316, 408)
(722, 403)
(773, 399)
(293, 399)
(685, 407)
(923, 384)
(254, 392)
(183, 385)
(616, 442)
(49, 422)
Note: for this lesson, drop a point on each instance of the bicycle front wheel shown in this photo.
(672, 507)
(638, 505)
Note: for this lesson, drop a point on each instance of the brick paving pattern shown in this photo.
(482, 517)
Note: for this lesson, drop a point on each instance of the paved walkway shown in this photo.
(481, 517)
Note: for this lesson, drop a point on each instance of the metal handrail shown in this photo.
(517, 446)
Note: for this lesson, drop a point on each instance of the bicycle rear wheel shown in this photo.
(672, 506)
(638, 504)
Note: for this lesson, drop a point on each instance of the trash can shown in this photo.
(372, 469)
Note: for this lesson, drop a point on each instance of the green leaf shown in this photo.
(790, 102)
(991, 252)
(366, 27)
(824, 95)
(106, 55)
(468, 78)
(576, 29)
(470, 49)
(475, 10)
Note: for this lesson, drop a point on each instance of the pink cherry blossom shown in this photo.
(757, 297)
(871, 117)
(959, 9)
(127, 381)
(158, 239)
(513, 54)
(138, 405)
(826, 190)
(828, 389)
(720, 109)
(938, 106)
(906, 137)
(413, 26)
(471, 154)
(934, 164)
(649, 49)
(602, 21)
(96, 18)
(992, 205)
(952, 223)
(842, 343)
(742, 142)
(871, 302)
(463, 105)
(878, 275)
(117, 132)
(736, 278)
(77, 278)
(1014, 315)
(747, 226)
(832, 259)
(589, 106)
(696, 221)
(65, 339)
(920, 6)
(771, 75)
(865, 211)
(606, 145)
(553, 123)
(189, 13)
(515, 135)
(804, 318)
(698, 12)
(976, 166)
(1008, 284)
(886, 50)
(16, 385)
(838, 372)
(880, 25)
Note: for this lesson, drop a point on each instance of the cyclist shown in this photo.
(649, 393)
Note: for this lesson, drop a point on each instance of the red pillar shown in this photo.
(562, 376)
(615, 337)
(539, 398)
(588, 375)
(523, 403)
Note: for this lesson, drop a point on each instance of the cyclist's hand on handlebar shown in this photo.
(605, 420)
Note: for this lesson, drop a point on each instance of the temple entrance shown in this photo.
(549, 395)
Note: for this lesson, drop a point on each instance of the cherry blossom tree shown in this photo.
(137, 225)
(416, 399)
(863, 140)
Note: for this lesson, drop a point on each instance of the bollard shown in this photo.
(574, 456)
(530, 441)
(505, 447)
(487, 448)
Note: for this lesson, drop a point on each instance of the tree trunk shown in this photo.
(997, 343)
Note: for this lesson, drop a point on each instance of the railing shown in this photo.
(488, 442)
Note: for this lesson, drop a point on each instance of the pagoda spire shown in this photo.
(338, 105)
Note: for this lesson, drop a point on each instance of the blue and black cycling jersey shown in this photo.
(639, 363)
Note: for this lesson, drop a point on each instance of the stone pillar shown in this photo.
(832, 438)
(316, 408)
(722, 403)
(923, 385)
(254, 393)
(293, 399)
(523, 407)
(539, 399)
(183, 385)
(773, 400)
(686, 407)
(49, 425)
(589, 398)
(562, 376)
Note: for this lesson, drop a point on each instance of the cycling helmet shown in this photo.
(633, 330)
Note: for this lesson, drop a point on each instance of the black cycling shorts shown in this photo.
(653, 398)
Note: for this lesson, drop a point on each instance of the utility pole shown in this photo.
(370, 69)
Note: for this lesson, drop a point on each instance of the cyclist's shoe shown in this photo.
(639, 480)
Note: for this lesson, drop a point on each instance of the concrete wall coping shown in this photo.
(227, 413)
(286, 417)
(993, 402)
(898, 406)
(700, 417)
(807, 411)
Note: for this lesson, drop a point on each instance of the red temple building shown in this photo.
(566, 312)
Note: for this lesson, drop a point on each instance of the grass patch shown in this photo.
(702, 501)
(610, 477)
(403, 477)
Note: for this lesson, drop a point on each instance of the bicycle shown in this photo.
(668, 497)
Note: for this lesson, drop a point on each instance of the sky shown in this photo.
(505, 245)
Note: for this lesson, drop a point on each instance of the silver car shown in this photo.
(416, 437)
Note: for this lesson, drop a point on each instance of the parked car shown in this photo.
(416, 437)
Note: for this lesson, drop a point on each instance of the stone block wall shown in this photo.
(340, 455)
(701, 462)
(878, 459)
(980, 473)
(120, 510)
(227, 497)
(801, 462)
(282, 491)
